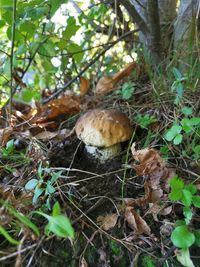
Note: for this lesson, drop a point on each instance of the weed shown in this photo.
(127, 90)
(40, 186)
(183, 236)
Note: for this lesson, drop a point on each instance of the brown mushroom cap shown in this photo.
(103, 128)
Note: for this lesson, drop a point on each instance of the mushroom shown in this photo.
(102, 131)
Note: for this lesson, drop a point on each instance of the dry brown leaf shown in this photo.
(84, 86)
(142, 201)
(124, 73)
(5, 135)
(152, 165)
(106, 84)
(68, 105)
(107, 222)
(136, 222)
(46, 135)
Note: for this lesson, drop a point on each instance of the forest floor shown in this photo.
(97, 197)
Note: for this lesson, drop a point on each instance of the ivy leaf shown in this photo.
(181, 237)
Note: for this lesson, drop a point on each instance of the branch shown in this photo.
(65, 86)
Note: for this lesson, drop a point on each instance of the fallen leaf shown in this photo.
(84, 86)
(136, 222)
(107, 222)
(68, 105)
(5, 135)
(106, 83)
(154, 167)
(46, 135)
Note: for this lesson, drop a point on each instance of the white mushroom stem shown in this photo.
(103, 153)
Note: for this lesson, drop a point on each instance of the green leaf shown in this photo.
(169, 136)
(49, 189)
(27, 222)
(127, 90)
(8, 237)
(6, 3)
(184, 258)
(55, 176)
(196, 201)
(37, 193)
(69, 32)
(10, 146)
(60, 226)
(181, 237)
(177, 73)
(186, 197)
(55, 5)
(195, 121)
(188, 214)
(47, 49)
(27, 27)
(178, 139)
(31, 184)
(56, 209)
(2, 23)
(192, 188)
(176, 183)
(76, 52)
(187, 111)
(197, 237)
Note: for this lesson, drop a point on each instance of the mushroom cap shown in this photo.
(103, 128)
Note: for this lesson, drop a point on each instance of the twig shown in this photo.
(59, 91)
(11, 57)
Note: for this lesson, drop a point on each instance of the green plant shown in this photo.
(185, 127)
(177, 85)
(183, 236)
(40, 186)
(57, 223)
(144, 120)
(127, 90)
(9, 149)
(20, 221)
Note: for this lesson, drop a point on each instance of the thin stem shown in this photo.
(11, 56)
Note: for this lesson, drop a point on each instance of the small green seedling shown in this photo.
(40, 186)
(9, 149)
(57, 223)
(178, 130)
(127, 90)
(183, 236)
(20, 220)
(177, 85)
(145, 120)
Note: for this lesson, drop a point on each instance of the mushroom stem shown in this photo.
(103, 153)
